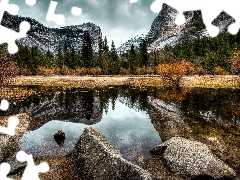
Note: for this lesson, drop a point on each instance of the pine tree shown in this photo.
(60, 59)
(105, 63)
(105, 45)
(143, 53)
(105, 57)
(132, 60)
(25, 59)
(35, 53)
(87, 51)
(66, 55)
(114, 61)
(49, 59)
(100, 51)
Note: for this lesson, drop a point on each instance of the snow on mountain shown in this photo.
(49, 38)
(127, 45)
(164, 31)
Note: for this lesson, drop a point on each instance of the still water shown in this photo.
(129, 117)
(128, 130)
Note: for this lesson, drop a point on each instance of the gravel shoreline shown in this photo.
(207, 81)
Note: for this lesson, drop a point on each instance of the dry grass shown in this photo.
(81, 71)
(48, 71)
(144, 71)
(220, 71)
(200, 71)
(95, 71)
(124, 71)
(235, 62)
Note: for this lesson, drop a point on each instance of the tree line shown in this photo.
(31, 59)
(220, 54)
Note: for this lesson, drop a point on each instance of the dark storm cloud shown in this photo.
(119, 19)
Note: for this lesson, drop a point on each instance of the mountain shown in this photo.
(164, 31)
(49, 38)
(127, 45)
(79, 106)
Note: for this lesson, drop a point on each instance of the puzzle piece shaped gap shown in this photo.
(51, 16)
(31, 171)
(4, 170)
(7, 35)
(4, 105)
(208, 12)
(30, 2)
(12, 121)
(133, 1)
(12, 124)
(76, 11)
(11, 8)
(59, 18)
(13, 35)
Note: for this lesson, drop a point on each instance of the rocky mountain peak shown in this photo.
(49, 38)
(164, 31)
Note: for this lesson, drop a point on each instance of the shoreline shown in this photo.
(206, 81)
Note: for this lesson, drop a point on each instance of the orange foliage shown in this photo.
(144, 70)
(67, 71)
(25, 72)
(48, 71)
(235, 62)
(95, 71)
(124, 71)
(220, 71)
(175, 70)
(200, 70)
(81, 71)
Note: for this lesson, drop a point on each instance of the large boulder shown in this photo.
(191, 159)
(95, 158)
(9, 144)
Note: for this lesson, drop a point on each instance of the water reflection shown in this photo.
(127, 116)
(128, 130)
(41, 142)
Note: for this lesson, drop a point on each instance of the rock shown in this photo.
(59, 137)
(9, 144)
(222, 138)
(167, 121)
(95, 158)
(192, 158)
(16, 166)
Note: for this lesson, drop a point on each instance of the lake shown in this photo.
(133, 119)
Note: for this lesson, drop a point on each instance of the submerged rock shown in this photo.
(192, 158)
(59, 137)
(95, 158)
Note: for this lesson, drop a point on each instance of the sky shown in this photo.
(119, 20)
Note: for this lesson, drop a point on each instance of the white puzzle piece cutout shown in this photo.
(4, 105)
(51, 16)
(210, 10)
(12, 124)
(31, 171)
(133, 1)
(12, 120)
(59, 18)
(4, 170)
(30, 2)
(76, 11)
(7, 35)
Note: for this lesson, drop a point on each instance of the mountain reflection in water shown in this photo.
(129, 130)
(127, 116)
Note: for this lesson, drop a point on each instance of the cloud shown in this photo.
(119, 20)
